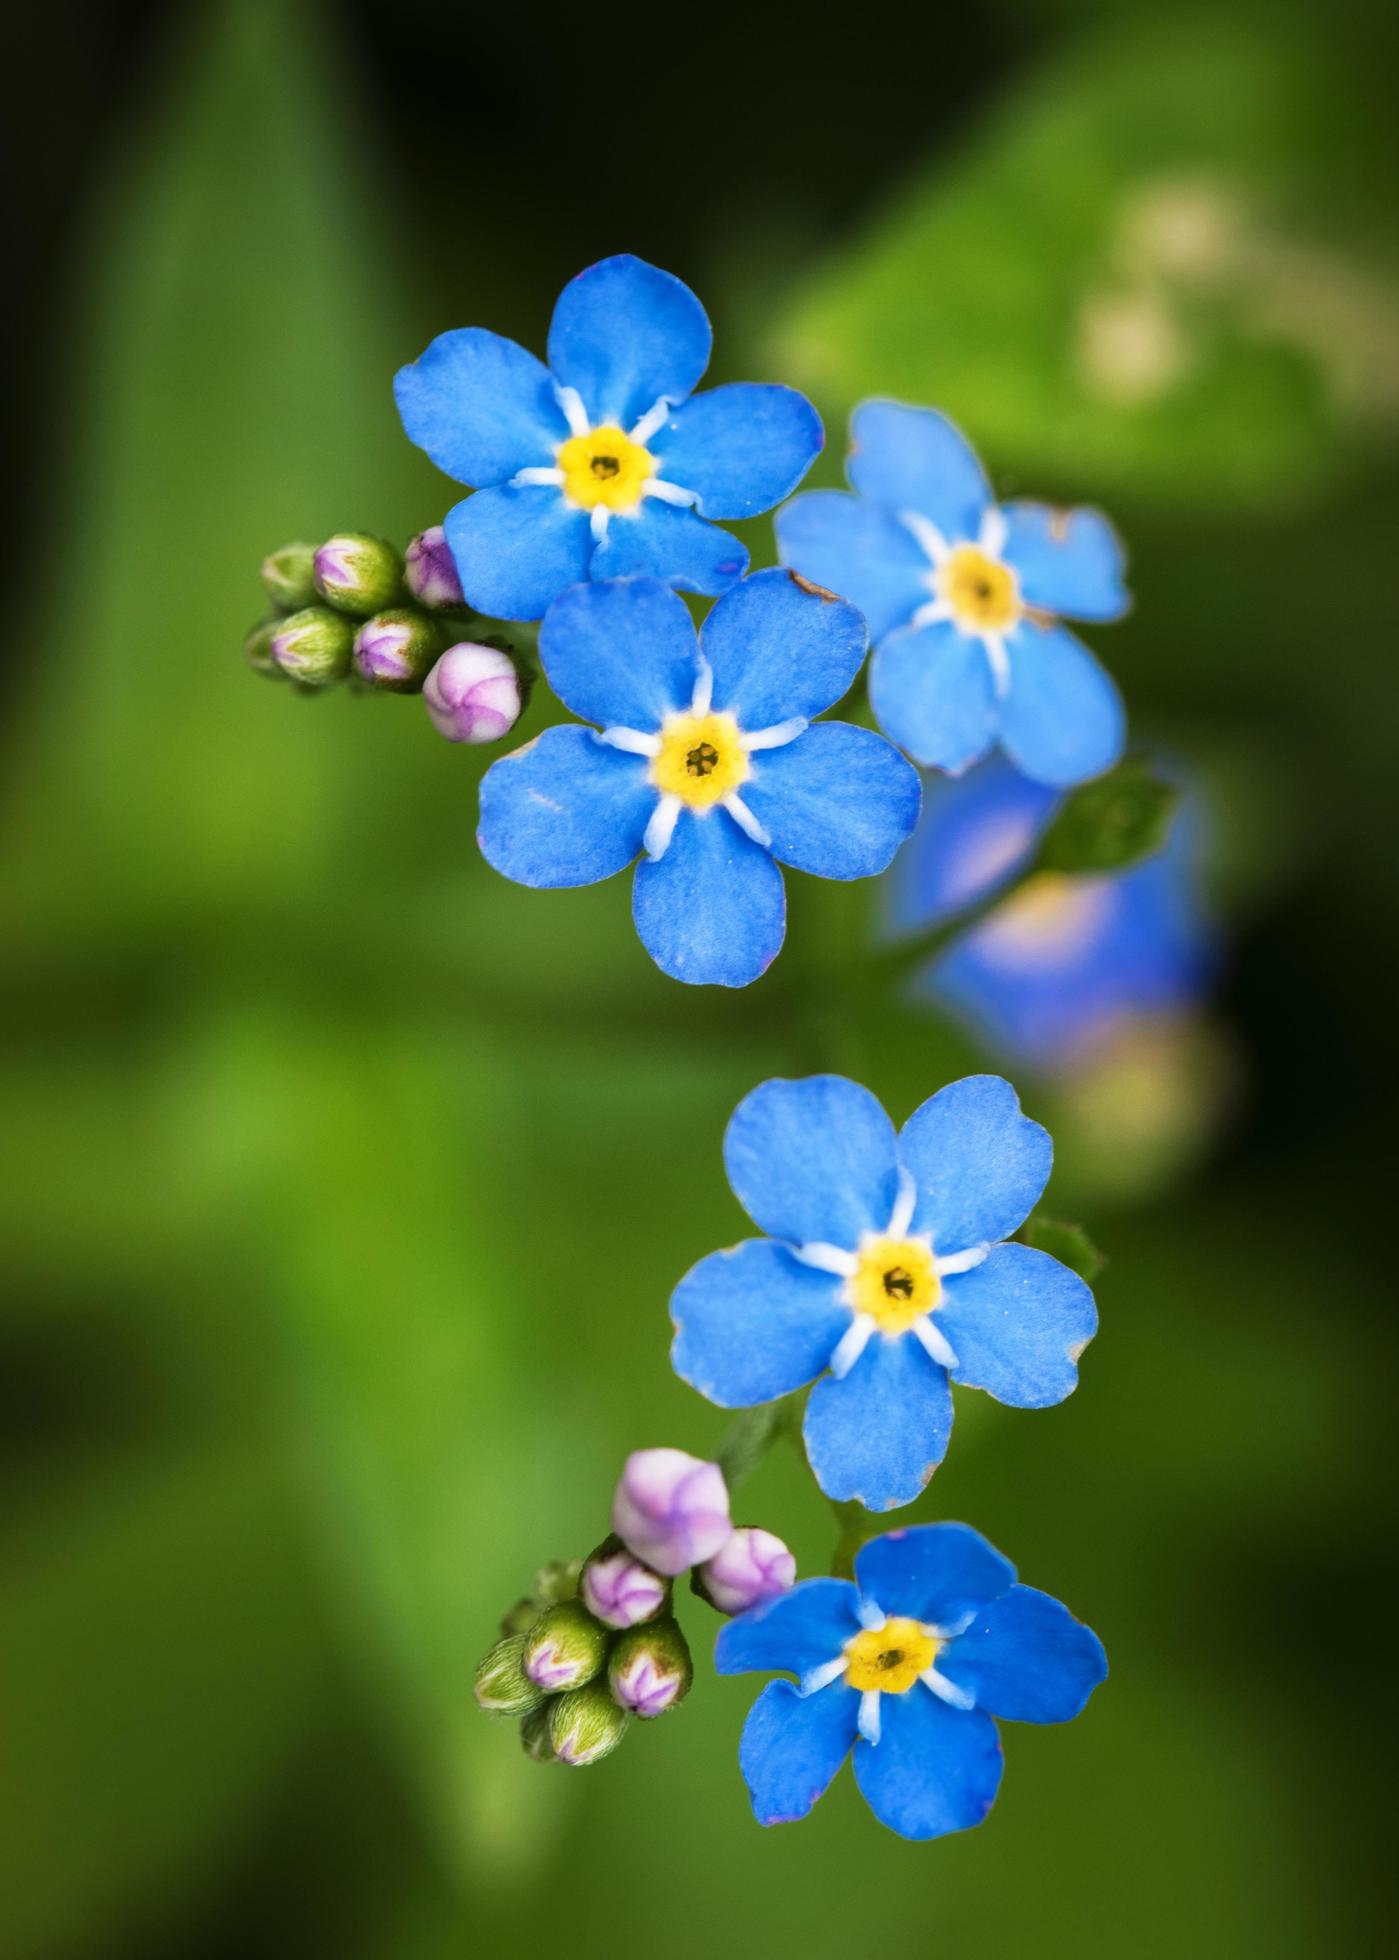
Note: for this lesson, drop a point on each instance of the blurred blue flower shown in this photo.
(1068, 959)
(963, 598)
(604, 464)
(707, 761)
(908, 1667)
(885, 1266)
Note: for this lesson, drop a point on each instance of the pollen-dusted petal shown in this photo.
(837, 802)
(625, 333)
(875, 1437)
(813, 1160)
(932, 692)
(857, 549)
(979, 1162)
(1069, 562)
(740, 448)
(936, 1768)
(915, 459)
(1018, 1323)
(1062, 720)
(792, 1746)
(753, 1323)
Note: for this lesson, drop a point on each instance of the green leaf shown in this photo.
(1069, 1244)
(1112, 823)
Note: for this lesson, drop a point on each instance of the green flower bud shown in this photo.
(502, 1687)
(290, 576)
(521, 1617)
(257, 650)
(564, 1648)
(358, 574)
(534, 1734)
(313, 646)
(558, 1581)
(398, 649)
(649, 1669)
(585, 1725)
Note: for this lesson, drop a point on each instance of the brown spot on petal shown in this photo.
(809, 585)
(1059, 524)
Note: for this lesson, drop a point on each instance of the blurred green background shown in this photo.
(344, 1184)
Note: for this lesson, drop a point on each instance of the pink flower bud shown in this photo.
(671, 1509)
(619, 1590)
(431, 571)
(752, 1567)
(473, 694)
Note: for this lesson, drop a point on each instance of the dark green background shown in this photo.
(344, 1184)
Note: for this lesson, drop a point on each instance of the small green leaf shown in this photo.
(1113, 823)
(1069, 1244)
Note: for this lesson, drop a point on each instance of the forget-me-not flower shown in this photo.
(1066, 960)
(706, 760)
(964, 597)
(886, 1267)
(605, 463)
(909, 1667)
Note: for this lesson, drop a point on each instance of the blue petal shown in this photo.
(620, 653)
(1017, 1324)
(712, 911)
(915, 459)
(741, 448)
(516, 549)
(1068, 561)
(1026, 1659)
(813, 1160)
(792, 1747)
(1062, 720)
(795, 1632)
(837, 802)
(564, 810)
(972, 834)
(754, 1323)
(931, 691)
(669, 542)
(937, 1573)
(624, 333)
(876, 1437)
(859, 550)
(480, 406)
(979, 1163)
(934, 1769)
(779, 649)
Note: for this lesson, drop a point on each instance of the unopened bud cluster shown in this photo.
(596, 1642)
(357, 609)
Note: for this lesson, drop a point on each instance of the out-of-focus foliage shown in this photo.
(344, 1185)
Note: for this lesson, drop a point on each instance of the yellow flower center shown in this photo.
(891, 1659)
(981, 591)
(1052, 915)
(604, 467)
(701, 760)
(895, 1282)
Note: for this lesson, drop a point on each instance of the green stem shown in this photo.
(856, 1524)
(750, 1436)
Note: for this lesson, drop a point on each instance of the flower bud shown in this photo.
(521, 1617)
(564, 1648)
(649, 1669)
(671, 1510)
(752, 1567)
(313, 646)
(502, 1686)
(290, 576)
(585, 1725)
(534, 1734)
(555, 1582)
(257, 650)
(395, 650)
(474, 693)
(619, 1590)
(358, 574)
(430, 571)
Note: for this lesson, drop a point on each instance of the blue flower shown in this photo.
(604, 464)
(707, 761)
(886, 1267)
(907, 1667)
(963, 598)
(1067, 960)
